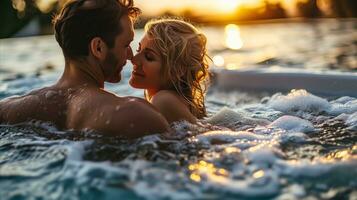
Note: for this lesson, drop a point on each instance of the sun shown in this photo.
(228, 5)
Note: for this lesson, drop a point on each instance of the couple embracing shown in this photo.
(95, 35)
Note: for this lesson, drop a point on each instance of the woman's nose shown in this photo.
(135, 59)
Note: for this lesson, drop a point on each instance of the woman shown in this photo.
(171, 64)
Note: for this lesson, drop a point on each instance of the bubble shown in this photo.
(70, 90)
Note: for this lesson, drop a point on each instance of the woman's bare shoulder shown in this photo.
(167, 97)
(172, 106)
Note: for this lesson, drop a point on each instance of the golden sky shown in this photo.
(198, 7)
(152, 7)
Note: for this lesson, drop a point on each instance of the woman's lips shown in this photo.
(135, 73)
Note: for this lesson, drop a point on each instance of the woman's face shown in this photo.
(146, 66)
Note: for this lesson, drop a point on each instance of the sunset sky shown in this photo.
(205, 7)
(198, 7)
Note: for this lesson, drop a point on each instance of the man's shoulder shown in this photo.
(17, 108)
(132, 117)
(132, 106)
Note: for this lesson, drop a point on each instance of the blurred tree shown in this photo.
(15, 14)
(308, 9)
(267, 11)
(343, 8)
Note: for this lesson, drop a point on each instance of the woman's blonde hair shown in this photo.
(184, 58)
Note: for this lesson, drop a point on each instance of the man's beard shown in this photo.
(111, 70)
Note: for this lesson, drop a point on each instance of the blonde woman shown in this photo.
(171, 65)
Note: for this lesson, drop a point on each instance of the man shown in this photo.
(95, 38)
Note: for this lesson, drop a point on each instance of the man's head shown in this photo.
(99, 28)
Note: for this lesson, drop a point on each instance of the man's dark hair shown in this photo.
(80, 21)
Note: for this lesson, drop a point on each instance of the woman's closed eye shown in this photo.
(148, 57)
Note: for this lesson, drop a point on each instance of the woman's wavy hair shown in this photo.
(184, 58)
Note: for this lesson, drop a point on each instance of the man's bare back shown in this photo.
(84, 108)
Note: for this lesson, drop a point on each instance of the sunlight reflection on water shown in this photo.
(232, 37)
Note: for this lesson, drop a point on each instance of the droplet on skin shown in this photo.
(107, 122)
(101, 114)
(117, 108)
(131, 125)
(78, 109)
(50, 94)
(81, 90)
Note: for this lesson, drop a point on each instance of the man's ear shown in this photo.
(98, 48)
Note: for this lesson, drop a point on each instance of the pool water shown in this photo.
(291, 145)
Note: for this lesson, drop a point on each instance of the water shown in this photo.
(294, 145)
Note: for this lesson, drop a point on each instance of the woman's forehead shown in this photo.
(146, 40)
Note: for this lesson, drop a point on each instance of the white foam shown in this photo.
(226, 116)
(312, 169)
(292, 192)
(76, 150)
(159, 191)
(296, 137)
(346, 105)
(303, 103)
(343, 100)
(292, 124)
(263, 155)
(228, 137)
(298, 100)
(151, 182)
(351, 121)
(249, 187)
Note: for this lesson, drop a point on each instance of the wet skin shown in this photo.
(78, 100)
